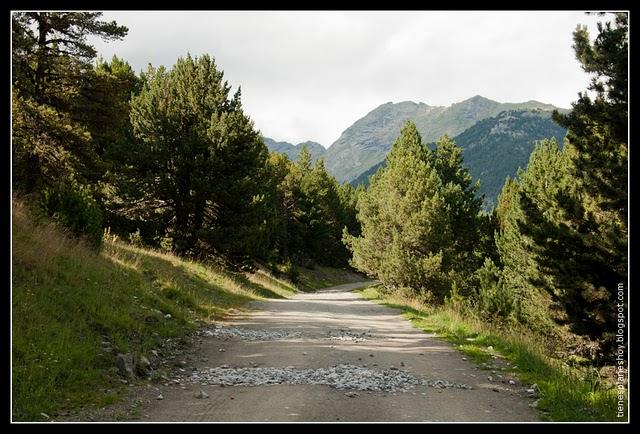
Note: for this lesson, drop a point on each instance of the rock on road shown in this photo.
(315, 332)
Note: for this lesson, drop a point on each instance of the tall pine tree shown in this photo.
(51, 64)
(404, 221)
(584, 250)
(198, 161)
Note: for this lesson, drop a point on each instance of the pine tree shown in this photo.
(51, 61)
(308, 211)
(523, 284)
(404, 221)
(198, 160)
(280, 205)
(465, 253)
(583, 250)
(51, 51)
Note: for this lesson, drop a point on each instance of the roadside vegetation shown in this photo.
(566, 392)
(148, 204)
(75, 308)
(543, 276)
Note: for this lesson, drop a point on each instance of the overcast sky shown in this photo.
(309, 75)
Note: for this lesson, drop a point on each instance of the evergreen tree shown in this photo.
(198, 160)
(324, 216)
(404, 221)
(50, 63)
(546, 174)
(465, 253)
(51, 51)
(348, 204)
(583, 249)
(279, 184)
(103, 106)
(308, 211)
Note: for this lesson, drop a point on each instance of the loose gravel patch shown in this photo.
(246, 334)
(343, 377)
(346, 335)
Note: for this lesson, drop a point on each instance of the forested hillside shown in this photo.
(367, 142)
(495, 148)
(168, 154)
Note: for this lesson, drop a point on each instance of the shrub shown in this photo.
(166, 243)
(493, 296)
(74, 207)
(135, 238)
(108, 237)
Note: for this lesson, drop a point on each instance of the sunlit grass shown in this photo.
(67, 299)
(566, 394)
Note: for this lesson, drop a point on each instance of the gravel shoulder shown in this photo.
(327, 356)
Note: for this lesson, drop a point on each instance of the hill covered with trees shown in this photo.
(496, 147)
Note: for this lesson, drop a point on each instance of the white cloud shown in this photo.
(309, 75)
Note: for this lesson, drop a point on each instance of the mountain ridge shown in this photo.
(496, 147)
(293, 151)
(366, 142)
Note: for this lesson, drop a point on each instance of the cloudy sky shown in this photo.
(310, 75)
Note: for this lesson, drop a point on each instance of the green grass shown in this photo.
(67, 299)
(567, 394)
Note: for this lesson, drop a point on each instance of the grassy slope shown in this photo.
(566, 395)
(67, 300)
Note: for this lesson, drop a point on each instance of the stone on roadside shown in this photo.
(167, 316)
(160, 397)
(143, 365)
(352, 394)
(202, 395)
(125, 364)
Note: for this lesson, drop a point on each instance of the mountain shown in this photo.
(495, 147)
(293, 151)
(366, 143)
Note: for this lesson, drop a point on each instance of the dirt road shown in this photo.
(338, 330)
